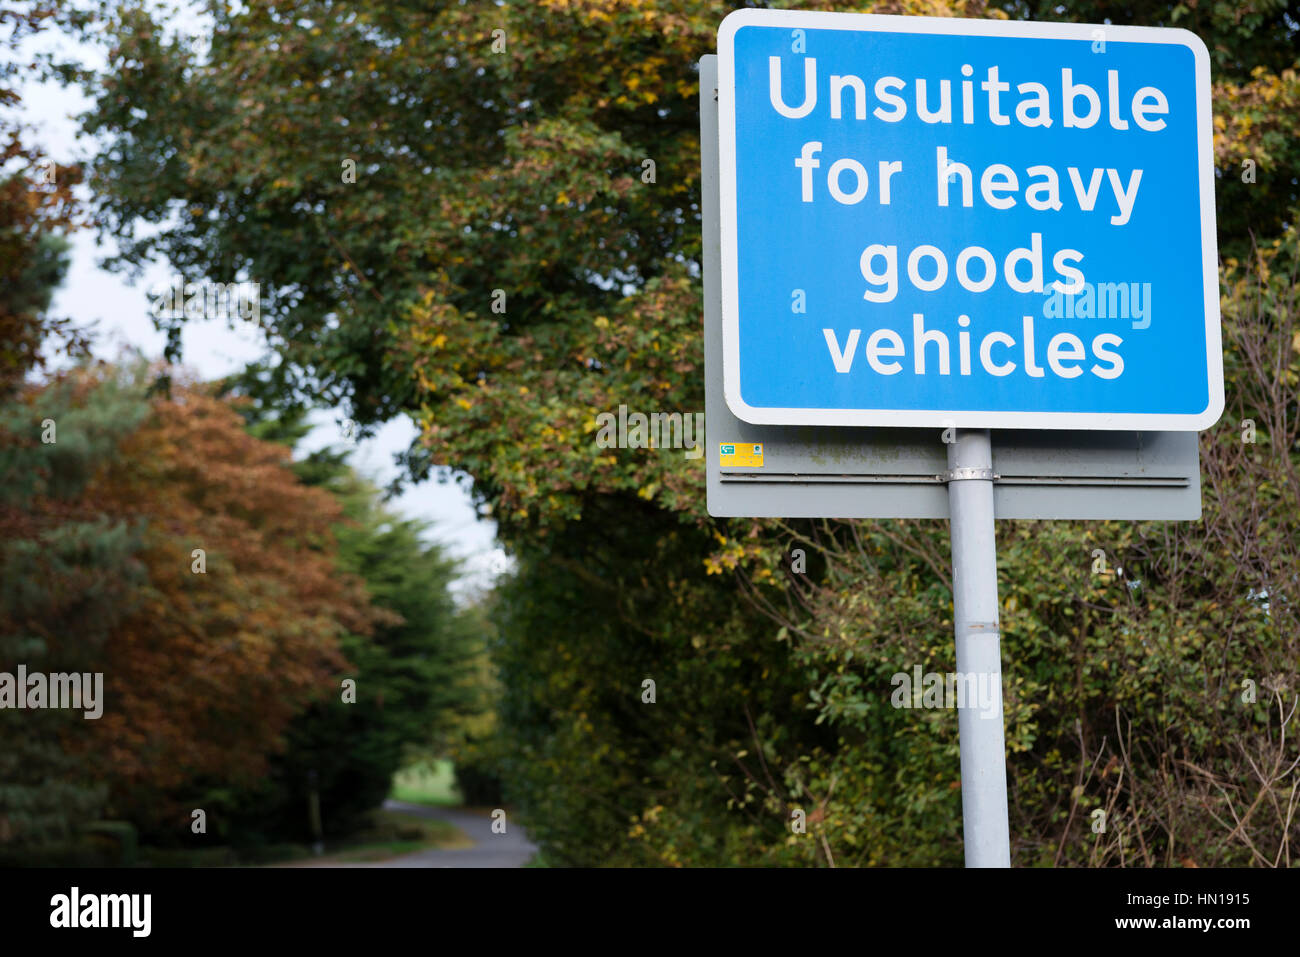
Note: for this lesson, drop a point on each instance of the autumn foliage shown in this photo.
(209, 668)
(229, 610)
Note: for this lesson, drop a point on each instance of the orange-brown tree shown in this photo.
(157, 542)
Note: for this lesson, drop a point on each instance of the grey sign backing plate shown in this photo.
(838, 472)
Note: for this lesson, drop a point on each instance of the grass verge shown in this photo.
(431, 783)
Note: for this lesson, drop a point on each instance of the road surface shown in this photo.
(511, 849)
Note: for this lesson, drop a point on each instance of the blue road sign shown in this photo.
(977, 223)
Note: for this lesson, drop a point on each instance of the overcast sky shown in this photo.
(121, 313)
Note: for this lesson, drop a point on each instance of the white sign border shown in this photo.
(816, 20)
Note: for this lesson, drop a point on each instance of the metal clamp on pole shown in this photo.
(967, 473)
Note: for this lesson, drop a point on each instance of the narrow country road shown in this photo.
(511, 849)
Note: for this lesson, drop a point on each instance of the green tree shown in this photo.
(68, 576)
(411, 670)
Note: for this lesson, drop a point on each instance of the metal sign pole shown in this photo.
(979, 658)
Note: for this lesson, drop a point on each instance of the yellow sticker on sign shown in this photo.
(740, 454)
